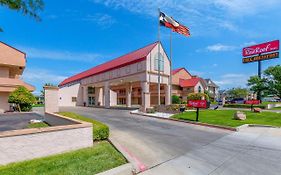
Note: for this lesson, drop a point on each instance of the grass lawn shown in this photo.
(38, 105)
(101, 157)
(37, 125)
(276, 108)
(225, 118)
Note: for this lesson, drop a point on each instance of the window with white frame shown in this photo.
(159, 62)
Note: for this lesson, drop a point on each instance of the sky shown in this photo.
(75, 35)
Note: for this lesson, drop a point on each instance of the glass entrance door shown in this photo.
(91, 101)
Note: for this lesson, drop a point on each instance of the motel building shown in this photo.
(130, 80)
(12, 65)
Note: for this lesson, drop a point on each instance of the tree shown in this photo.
(22, 98)
(176, 99)
(273, 80)
(27, 7)
(238, 92)
(257, 84)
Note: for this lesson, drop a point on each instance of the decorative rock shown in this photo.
(258, 110)
(239, 115)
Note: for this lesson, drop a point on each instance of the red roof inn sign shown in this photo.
(264, 51)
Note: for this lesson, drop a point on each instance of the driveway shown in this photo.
(151, 142)
(15, 121)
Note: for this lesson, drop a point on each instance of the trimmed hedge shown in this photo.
(244, 106)
(100, 130)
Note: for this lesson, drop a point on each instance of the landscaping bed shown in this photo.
(101, 157)
(225, 118)
(247, 106)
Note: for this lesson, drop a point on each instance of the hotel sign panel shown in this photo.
(260, 52)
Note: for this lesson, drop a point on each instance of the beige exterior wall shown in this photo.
(4, 72)
(196, 88)
(10, 56)
(182, 74)
(66, 94)
(51, 99)
(4, 105)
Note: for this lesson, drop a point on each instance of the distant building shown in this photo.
(212, 88)
(12, 64)
(184, 83)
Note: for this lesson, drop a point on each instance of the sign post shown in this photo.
(197, 104)
(259, 53)
(252, 103)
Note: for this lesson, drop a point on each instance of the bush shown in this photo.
(175, 99)
(100, 130)
(243, 106)
(197, 96)
(23, 98)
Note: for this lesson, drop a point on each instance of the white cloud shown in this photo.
(199, 15)
(232, 80)
(219, 47)
(41, 76)
(39, 53)
(103, 20)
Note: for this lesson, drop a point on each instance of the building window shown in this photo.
(91, 90)
(158, 58)
(74, 99)
(199, 89)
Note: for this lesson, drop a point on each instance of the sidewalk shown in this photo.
(252, 150)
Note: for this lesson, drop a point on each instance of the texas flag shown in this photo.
(169, 22)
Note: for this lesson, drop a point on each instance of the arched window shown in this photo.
(199, 89)
(158, 58)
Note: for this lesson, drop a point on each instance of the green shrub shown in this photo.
(100, 130)
(243, 106)
(23, 98)
(197, 96)
(175, 99)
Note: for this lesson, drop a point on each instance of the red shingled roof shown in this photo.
(179, 69)
(189, 82)
(130, 58)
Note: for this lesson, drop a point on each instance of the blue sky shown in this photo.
(75, 35)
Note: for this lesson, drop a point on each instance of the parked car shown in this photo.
(237, 101)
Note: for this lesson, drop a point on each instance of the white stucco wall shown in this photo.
(196, 88)
(66, 93)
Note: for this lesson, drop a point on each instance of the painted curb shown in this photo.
(190, 122)
(125, 169)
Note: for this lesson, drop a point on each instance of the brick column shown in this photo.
(51, 94)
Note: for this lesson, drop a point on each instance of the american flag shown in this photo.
(169, 22)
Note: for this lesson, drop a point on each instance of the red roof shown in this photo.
(189, 82)
(179, 69)
(130, 58)
(176, 70)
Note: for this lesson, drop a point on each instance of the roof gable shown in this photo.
(11, 56)
(130, 58)
(175, 71)
(189, 82)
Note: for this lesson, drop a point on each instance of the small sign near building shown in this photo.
(197, 104)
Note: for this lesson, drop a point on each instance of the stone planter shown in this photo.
(239, 115)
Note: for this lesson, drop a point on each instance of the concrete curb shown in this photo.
(125, 169)
(134, 168)
(190, 122)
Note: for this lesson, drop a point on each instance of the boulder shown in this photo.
(258, 110)
(239, 115)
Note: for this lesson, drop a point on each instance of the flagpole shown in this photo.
(159, 98)
(171, 67)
